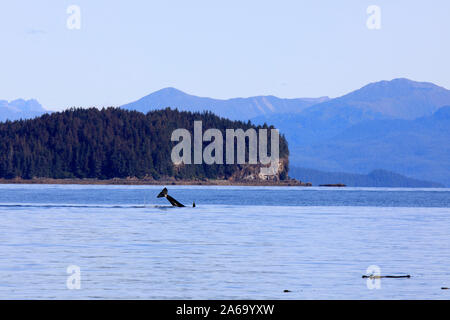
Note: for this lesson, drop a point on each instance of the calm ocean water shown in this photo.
(238, 243)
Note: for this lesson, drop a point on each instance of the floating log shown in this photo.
(381, 277)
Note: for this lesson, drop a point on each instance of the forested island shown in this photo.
(117, 145)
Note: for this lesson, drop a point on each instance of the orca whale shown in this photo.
(164, 194)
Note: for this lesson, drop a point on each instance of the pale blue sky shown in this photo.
(220, 49)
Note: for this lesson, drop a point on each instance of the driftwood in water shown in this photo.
(381, 277)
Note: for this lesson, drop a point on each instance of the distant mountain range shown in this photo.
(396, 99)
(20, 109)
(399, 125)
(399, 98)
(234, 109)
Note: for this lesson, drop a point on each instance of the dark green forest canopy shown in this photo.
(109, 143)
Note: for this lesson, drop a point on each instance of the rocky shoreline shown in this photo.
(135, 181)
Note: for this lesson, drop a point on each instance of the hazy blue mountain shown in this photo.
(417, 148)
(376, 178)
(20, 109)
(235, 109)
(396, 99)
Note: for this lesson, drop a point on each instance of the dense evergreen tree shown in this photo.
(108, 143)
